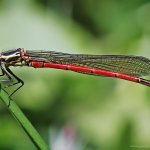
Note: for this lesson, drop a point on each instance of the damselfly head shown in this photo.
(11, 56)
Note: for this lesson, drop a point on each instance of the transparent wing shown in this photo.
(130, 65)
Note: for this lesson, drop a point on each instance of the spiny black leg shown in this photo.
(18, 81)
(5, 73)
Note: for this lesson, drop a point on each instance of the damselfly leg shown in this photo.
(11, 76)
(3, 74)
(19, 81)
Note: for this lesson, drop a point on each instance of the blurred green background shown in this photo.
(74, 111)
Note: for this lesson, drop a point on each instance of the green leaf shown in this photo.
(24, 122)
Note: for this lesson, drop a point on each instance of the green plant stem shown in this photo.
(25, 123)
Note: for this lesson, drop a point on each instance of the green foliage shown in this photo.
(24, 122)
(104, 113)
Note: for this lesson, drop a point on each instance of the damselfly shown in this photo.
(130, 68)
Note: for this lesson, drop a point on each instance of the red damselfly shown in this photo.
(130, 68)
